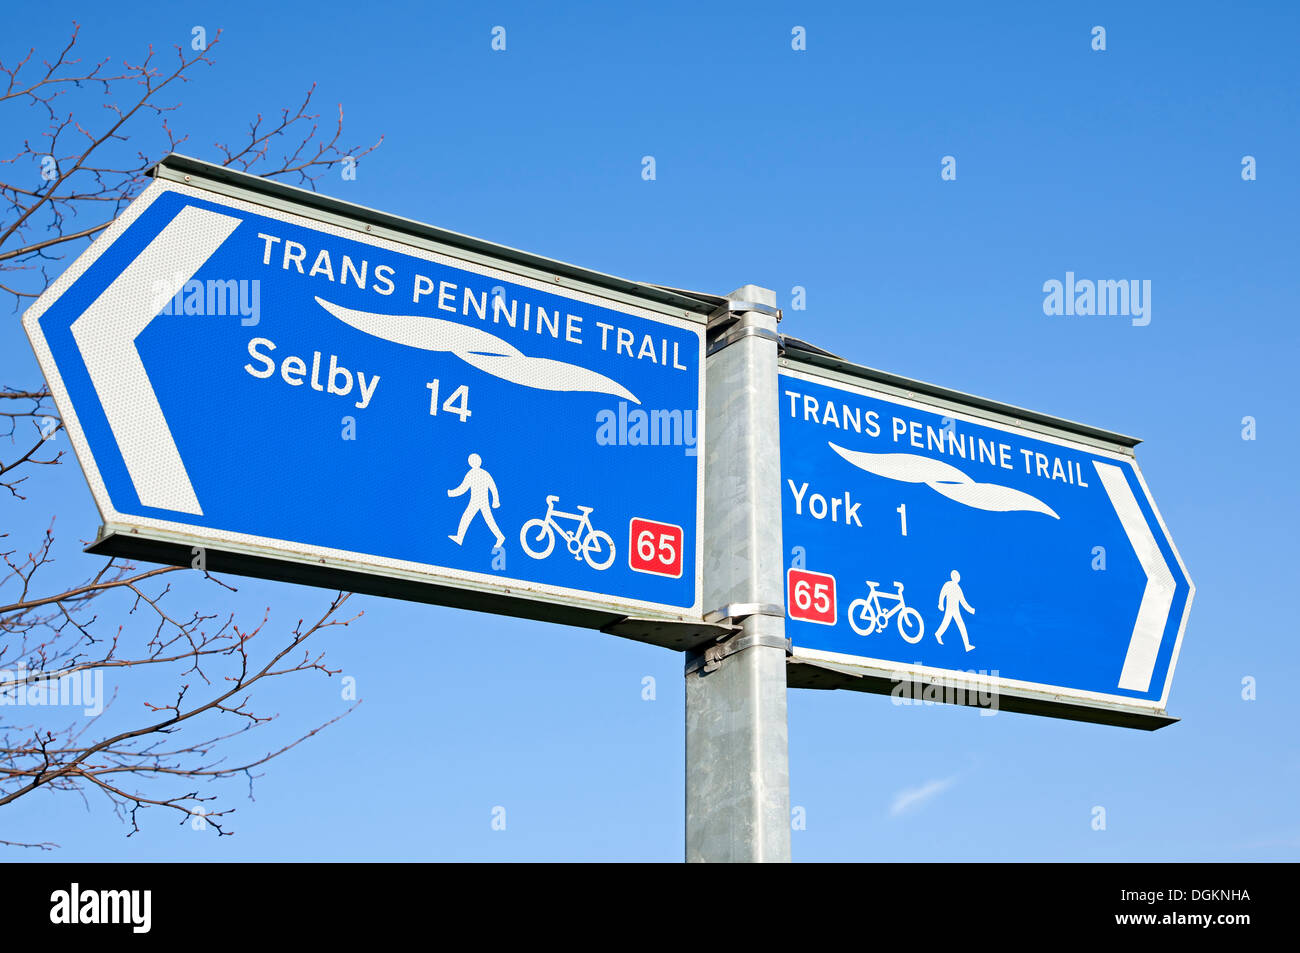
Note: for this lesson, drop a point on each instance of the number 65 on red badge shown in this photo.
(655, 548)
(810, 596)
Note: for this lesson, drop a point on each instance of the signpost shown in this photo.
(737, 758)
(262, 380)
(287, 386)
(939, 545)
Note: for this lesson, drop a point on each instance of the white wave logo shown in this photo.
(945, 479)
(478, 348)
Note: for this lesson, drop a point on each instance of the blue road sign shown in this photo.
(933, 543)
(289, 387)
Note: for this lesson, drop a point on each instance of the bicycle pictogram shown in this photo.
(870, 615)
(537, 536)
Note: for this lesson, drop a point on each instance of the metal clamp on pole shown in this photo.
(710, 660)
(736, 307)
(740, 331)
(731, 643)
(738, 611)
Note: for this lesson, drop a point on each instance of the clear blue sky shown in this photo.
(820, 169)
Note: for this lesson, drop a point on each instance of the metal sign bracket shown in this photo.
(734, 309)
(741, 331)
(711, 659)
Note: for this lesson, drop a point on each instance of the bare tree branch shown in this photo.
(76, 168)
(113, 618)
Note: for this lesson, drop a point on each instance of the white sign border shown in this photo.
(885, 666)
(299, 552)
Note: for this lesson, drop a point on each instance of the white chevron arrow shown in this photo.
(106, 333)
(1148, 630)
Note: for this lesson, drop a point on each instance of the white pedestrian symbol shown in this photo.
(481, 487)
(952, 600)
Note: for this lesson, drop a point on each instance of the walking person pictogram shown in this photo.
(952, 600)
(481, 487)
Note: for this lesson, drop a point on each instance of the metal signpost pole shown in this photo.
(737, 762)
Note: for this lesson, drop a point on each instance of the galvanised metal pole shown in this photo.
(737, 762)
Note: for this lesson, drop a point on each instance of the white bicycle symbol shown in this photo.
(537, 536)
(869, 615)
